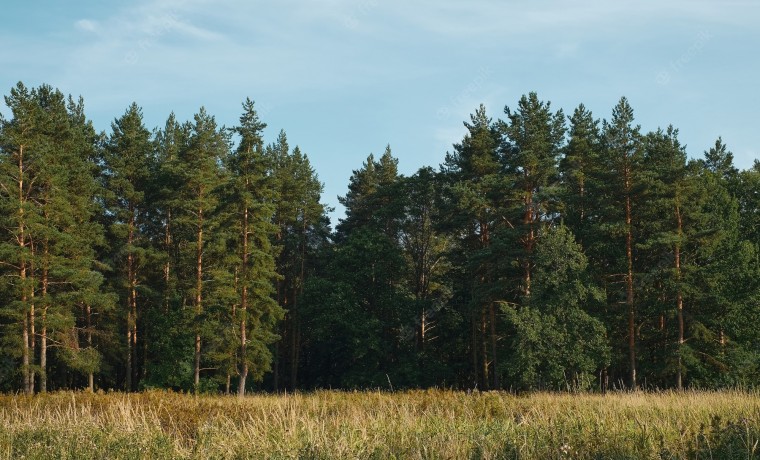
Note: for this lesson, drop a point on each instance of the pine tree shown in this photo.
(372, 198)
(727, 274)
(22, 165)
(747, 191)
(49, 162)
(127, 174)
(577, 169)
(165, 317)
(535, 135)
(620, 163)
(297, 215)
(82, 238)
(253, 199)
(720, 161)
(200, 178)
(670, 206)
(479, 188)
(424, 248)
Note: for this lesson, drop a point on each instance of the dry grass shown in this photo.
(417, 424)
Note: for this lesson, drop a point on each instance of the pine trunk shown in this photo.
(491, 330)
(198, 299)
(21, 239)
(90, 376)
(484, 349)
(25, 350)
(422, 327)
(276, 367)
(582, 193)
(529, 242)
(679, 299)
(243, 309)
(496, 382)
(32, 331)
(629, 285)
(167, 264)
(278, 345)
(133, 291)
(131, 302)
(43, 335)
(474, 347)
(295, 340)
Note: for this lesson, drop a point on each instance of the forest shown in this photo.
(546, 252)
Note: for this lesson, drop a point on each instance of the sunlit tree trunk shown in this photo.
(23, 279)
(43, 334)
(131, 301)
(244, 308)
(198, 297)
(90, 375)
(629, 284)
(679, 297)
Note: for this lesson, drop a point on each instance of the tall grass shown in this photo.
(416, 424)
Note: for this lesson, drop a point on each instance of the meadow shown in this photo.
(425, 424)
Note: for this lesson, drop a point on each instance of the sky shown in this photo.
(346, 78)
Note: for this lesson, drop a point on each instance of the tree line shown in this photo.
(546, 252)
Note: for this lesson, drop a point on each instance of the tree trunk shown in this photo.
(32, 318)
(32, 331)
(474, 346)
(21, 239)
(486, 331)
(679, 299)
(582, 193)
(295, 339)
(144, 367)
(43, 352)
(484, 348)
(198, 299)
(422, 327)
(496, 382)
(133, 291)
(529, 242)
(43, 335)
(243, 309)
(25, 350)
(131, 302)
(629, 286)
(167, 264)
(282, 302)
(90, 376)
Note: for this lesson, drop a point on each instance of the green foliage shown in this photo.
(556, 343)
(51, 234)
(546, 252)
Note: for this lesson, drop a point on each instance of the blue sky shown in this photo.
(345, 78)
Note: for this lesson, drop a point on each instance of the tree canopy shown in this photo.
(547, 252)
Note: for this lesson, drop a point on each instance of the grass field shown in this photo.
(417, 424)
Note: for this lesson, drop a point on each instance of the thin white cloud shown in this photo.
(199, 33)
(321, 56)
(86, 25)
(486, 18)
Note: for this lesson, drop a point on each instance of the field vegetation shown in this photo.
(414, 424)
